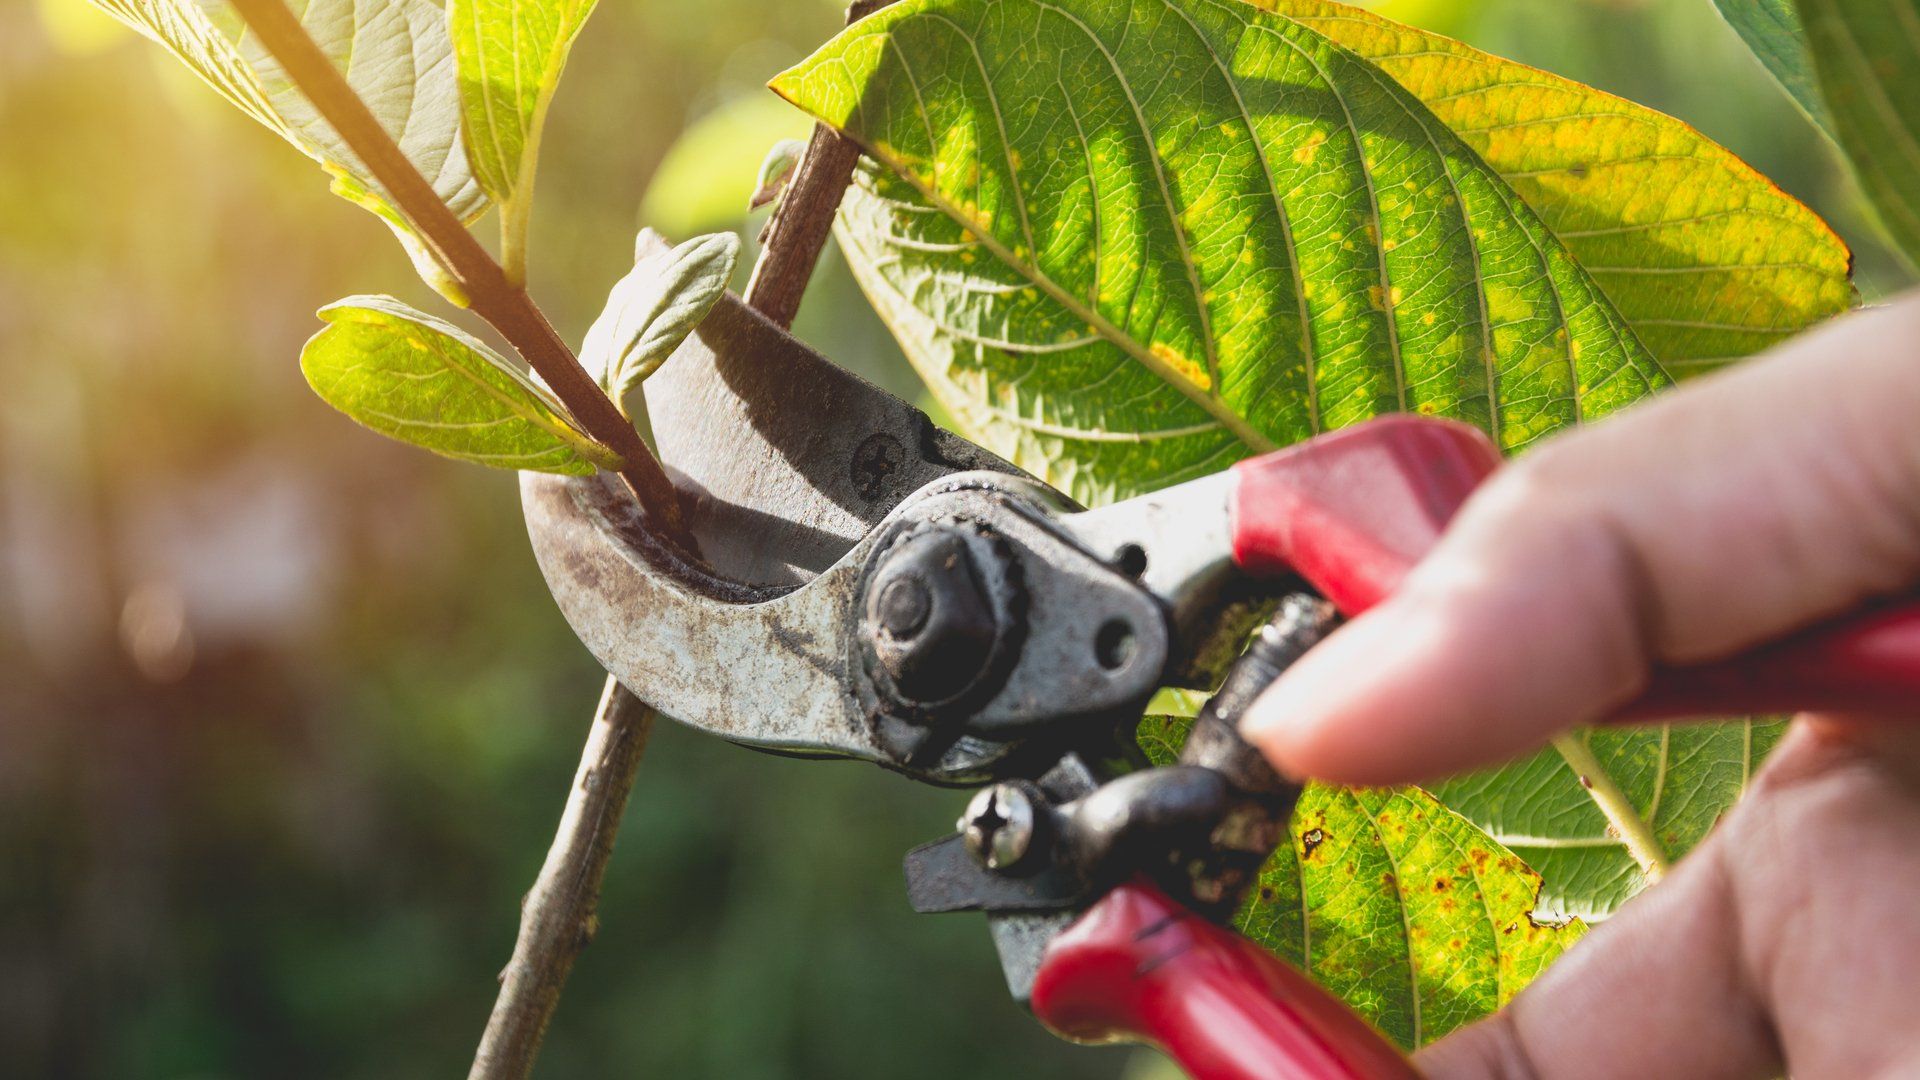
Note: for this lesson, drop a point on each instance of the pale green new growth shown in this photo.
(775, 171)
(1771, 28)
(653, 309)
(412, 377)
(396, 55)
(510, 54)
(1403, 908)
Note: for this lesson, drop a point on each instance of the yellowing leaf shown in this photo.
(510, 54)
(1087, 203)
(395, 54)
(1708, 260)
(1402, 907)
(412, 377)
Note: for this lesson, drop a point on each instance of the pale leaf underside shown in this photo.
(1680, 779)
(395, 53)
(653, 309)
(1867, 54)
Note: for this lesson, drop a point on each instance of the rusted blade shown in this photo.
(786, 462)
(791, 459)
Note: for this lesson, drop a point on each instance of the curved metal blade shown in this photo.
(785, 463)
(790, 459)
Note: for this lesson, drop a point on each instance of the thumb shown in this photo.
(1729, 512)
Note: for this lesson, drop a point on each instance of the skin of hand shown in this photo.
(1730, 511)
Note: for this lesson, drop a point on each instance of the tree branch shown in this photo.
(494, 296)
(803, 219)
(557, 918)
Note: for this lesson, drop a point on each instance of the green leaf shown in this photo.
(1771, 28)
(412, 377)
(1706, 259)
(653, 309)
(1406, 910)
(395, 54)
(1088, 202)
(510, 54)
(1702, 256)
(1867, 53)
(1680, 779)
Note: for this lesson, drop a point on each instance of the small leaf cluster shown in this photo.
(465, 89)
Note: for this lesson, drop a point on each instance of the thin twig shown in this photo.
(558, 915)
(493, 295)
(804, 218)
(557, 918)
(801, 224)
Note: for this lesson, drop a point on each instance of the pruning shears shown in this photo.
(870, 586)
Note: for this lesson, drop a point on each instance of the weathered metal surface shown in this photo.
(791, 668)
(1178, 543)
(785, 460)
(762, 667)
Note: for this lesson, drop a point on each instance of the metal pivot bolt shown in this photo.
(931, 622)
(1000, 824)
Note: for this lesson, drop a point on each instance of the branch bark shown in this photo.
(802, 221)
(494, 297)
(558, 917)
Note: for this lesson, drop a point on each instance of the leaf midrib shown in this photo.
(1214, 406)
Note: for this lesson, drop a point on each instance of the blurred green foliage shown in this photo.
(286, 717)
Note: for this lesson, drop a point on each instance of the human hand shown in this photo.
(1728, 513)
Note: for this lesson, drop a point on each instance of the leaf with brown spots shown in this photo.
(1679, 779)
(1404, 908)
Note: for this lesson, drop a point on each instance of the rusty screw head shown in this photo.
(999, 825)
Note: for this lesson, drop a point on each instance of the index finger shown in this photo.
(1738, 507)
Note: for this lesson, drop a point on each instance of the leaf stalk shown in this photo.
(492, 293)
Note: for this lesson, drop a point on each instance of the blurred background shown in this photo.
(286, 717)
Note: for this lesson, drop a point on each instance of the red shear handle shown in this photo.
(1353, 511)
(1138, 967)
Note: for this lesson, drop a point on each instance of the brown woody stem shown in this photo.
(493, 295)
(803, 220)
(557, 918)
